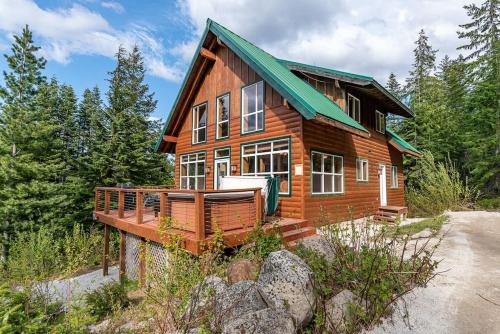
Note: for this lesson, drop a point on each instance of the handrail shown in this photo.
(178, 191)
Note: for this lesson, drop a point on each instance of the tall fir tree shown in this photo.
(482, 39)
(394, 87)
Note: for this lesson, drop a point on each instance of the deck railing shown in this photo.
(196, 211)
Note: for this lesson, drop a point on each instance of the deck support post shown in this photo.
(199, 208)
(138, 206)
(105, 253)
(258, 204)
(106, 202)
(142, 262)
(123, 240)
(121, 203)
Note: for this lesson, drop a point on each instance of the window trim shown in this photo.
(204, 169)
(394, 185)
(215, 160)
(242, 132)
(192, 125)
(217, 137)
(347, 105)
(377, 121)
(263, 141)
(333, 193)
(367, 170)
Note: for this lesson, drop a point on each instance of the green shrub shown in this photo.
(19, 315)
(435, 187)
(82, 249)
(106, 299)
(263, 243)
(489, 203)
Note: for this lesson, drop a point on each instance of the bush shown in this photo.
(435, 187)
(489, 203)
(106, 299)
(376, 265)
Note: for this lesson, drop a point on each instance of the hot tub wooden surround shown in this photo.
(193, 214)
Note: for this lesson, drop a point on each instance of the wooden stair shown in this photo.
(389, 214)
(294, 229)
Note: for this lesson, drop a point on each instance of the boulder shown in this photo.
(425, 233)
(288, 282)
(266, 321)
(336, 311)
(203, 297)
(319, 244)
(101, 327)
(242, 270)
(237, 300)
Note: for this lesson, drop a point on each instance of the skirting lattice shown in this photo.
(156, 258)
(132, 255)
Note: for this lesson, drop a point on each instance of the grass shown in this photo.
(434, 223)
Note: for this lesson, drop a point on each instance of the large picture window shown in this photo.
(354, 107)
(394, 177)
(252, 107)
(361, 170)
(222, 130)
(192, 173)
(327, 173)
(379, 121)
(268, 158)
(200, 123)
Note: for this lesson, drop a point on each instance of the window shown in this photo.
(192, 173)
(252, 107)
(394, 177)
(268, 158)
(361, 170)
(222, 130)
(200, 123)
(327, 173)
(379, 121)
(222, 153)
(354, 107)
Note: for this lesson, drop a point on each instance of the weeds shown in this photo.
(106, 299)
(434, 224)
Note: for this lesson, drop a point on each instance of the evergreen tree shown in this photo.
(394, 87)
(482, 36)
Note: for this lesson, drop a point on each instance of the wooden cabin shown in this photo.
(241, 111)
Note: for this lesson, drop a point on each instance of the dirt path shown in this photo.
(455, 302)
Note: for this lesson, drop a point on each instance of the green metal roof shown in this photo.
(400, 141)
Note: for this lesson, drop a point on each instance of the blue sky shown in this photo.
(372, 37)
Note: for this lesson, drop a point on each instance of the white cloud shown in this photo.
(372, 37)
(114, 6)
(77, 30)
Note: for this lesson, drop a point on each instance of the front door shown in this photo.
(221, 169)
(383, 185)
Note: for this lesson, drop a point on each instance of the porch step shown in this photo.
(389, 214)
(381, 218)
(291, 224)
(399, 210)
(294, 235)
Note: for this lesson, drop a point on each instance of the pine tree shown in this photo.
(482, 129)
(132, 133)
(394, 87)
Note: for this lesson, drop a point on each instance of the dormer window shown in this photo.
(199, 124)
(353, 108)
(379, 121)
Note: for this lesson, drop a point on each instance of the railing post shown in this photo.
(96, 200)
(105, 255)
(138, 206)
(199, 208)
(106, 201)
(163, 205)
(121, 203)
(258, 204)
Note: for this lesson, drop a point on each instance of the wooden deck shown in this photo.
(194, 215)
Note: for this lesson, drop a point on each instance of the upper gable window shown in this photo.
(222, 130)
(199, 124)
(354, 107)
(252, 107)
(379, 121)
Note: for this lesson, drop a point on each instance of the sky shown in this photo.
(371, 37)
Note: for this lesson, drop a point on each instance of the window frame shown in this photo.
(196, 176)
(333, 174)
(362, 161)
(380, 115)
(256, 112)
(217, 137)
(348, 107)
(271, 152)
(196, 130)
(394, 183)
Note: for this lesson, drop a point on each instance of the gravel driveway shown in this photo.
(465, 298)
